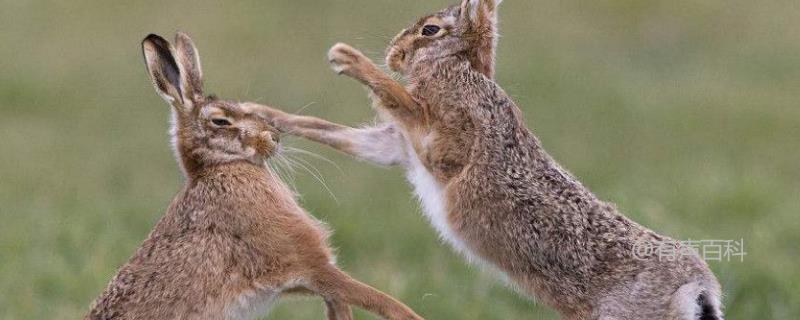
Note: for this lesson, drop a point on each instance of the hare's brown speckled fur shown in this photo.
(490, 189)
(234, 239)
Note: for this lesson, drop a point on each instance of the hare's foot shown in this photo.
(334, 285)
(275, 117)
(338, 310)
(345, 59)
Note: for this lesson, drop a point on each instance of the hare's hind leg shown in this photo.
(335, 285)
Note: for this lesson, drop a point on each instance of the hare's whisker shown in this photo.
(314, 155)
(298, 111)
(287, 164)
(247, 90)
(286, 172)
(314, 173)
(302, 161)
(279, 165)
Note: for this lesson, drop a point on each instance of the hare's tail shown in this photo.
(708, 309)
(696, 301)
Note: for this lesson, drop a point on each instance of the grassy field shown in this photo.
(684, 113)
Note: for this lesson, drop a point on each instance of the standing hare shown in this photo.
(490, 189)
(234, 239)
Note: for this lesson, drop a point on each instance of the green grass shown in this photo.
(684, 113)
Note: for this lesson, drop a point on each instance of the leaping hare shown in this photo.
(490, 189)
(234, 239)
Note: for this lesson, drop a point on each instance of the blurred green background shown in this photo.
(684, 113)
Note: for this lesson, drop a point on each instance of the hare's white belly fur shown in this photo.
(256, 303)
(252, 304)
(432, 196)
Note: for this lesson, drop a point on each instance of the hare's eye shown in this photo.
(430, 30)
(221, 122)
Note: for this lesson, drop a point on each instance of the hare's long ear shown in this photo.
(163, 70)
(188, 60)
(481, 14)
(480, 19)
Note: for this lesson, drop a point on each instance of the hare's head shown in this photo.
(468, 30)
(206, 130)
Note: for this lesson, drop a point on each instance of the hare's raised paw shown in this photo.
(345, 59)
(273, 116)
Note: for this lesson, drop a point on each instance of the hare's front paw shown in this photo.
(345, 59)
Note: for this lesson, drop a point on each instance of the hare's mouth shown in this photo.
(265, 144)
(267, 150)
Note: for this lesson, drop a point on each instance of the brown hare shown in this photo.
(489, 188)
(234, 239)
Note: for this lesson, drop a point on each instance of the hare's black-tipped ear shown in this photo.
(163, 69)
(480, 13)
(188, 60)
